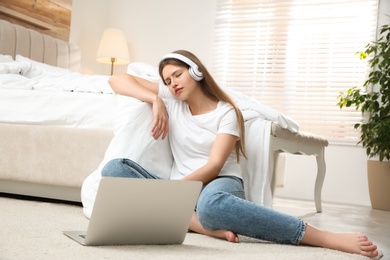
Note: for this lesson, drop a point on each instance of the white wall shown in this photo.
(152, 27)
(345, 180)
(155, 27)
(89, 19)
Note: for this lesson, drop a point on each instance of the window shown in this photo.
(296, 56)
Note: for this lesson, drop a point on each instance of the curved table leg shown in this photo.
(319, 180)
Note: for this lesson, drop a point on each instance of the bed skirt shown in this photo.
(49, 161)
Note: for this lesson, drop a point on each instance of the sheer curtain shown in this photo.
(296, 56)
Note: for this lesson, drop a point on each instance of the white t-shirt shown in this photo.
(192, 137)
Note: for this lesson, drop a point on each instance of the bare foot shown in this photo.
(222, 234)
(354, 243)
(228, 235)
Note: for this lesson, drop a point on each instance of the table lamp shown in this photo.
(113, 48)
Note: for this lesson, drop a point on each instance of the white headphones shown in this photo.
(193, 70)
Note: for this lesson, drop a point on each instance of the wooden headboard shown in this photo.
(15, 39)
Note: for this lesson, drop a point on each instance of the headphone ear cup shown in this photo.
(193, 69)
(196, 75)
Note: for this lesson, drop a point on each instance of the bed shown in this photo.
(59, 127)
(43, 152)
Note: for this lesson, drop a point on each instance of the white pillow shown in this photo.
(143, 70)
(39, 68)
(6, 58)
(133, 140)
(14, 67)
(133, 126)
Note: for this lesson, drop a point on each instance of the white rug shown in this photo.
(33, 230)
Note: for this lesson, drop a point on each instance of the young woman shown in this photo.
(206, 134)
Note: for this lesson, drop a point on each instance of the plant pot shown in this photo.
(379, 184)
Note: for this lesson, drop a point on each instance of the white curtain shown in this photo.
(296, 56)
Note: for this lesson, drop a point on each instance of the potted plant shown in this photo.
(373, 100)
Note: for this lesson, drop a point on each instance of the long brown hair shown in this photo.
(212, 90)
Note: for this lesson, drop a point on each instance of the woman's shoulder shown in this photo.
(225, 106)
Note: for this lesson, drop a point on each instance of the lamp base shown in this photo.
(112, 65)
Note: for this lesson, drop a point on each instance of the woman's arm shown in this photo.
(147, 91)
(132, 86)
(222, 148)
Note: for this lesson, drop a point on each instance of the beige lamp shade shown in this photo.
(113, 48)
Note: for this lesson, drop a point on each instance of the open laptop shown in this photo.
(140, 212)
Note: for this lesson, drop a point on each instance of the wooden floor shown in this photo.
(373, 223)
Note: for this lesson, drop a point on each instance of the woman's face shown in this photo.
(179, 81)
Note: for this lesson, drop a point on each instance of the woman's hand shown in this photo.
(160, 123)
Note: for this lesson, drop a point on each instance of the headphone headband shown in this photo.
(194, 69)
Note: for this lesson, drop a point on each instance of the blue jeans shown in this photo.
(222, 206)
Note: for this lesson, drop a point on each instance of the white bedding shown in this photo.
(57, 108)
(35, 93)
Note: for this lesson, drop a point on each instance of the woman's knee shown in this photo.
(210, 209)
(112, 168)
(125, 168)
(215, 201)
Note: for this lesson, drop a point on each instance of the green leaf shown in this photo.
(362, 55)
